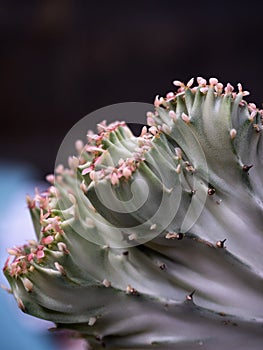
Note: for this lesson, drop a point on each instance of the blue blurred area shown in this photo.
(17, 330)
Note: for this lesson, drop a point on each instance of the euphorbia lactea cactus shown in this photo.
(155, 241)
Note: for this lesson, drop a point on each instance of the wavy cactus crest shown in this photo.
(155, 241)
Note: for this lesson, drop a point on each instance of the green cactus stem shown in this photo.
(154, 241)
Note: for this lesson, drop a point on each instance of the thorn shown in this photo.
(79, 145)
(185, 118)
(178, 169)
(8, 290)
(28, 285)
(166, 129)
(204, 89)
(62, 247)
(178, 152)
(229, 88)
(50, 178)
(233, 133)
(158, 101)
(114, 179)
(189, 167)
(73, 162)
(190, 296)
(153, 130)
(92, 321)
(257, 128)
(190, 82)
(252, 115)
(150, 119)
(11, 251)
(21, 305)
(144, 131)
(59, 169)
(131, 290)
(221, 244)
(178, 83)
(83, 187)
(247, 167)
(170, 96)
(179, 236)
(222, 314)
(162, 266)
(211, 191)
(219, 88)
(173, 115)
(106, 283)
(201, 81)
(60, 268)
(132, 237)
(173, 235)
(47, 240)
(213, 81)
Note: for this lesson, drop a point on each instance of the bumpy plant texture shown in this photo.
(154, 242)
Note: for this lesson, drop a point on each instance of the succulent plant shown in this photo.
(154, 241)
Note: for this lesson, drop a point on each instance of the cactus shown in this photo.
(154, 241)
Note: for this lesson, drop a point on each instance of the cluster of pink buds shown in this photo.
(26, 255)
(41, 199)
(51, 232)
(50, 224)
(203, 85)
(23, 257)
(125, 168)
(104, 131)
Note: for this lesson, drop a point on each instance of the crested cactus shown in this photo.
(154, 241)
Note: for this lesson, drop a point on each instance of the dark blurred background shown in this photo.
(62, 59)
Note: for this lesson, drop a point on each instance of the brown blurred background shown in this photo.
(62, 59)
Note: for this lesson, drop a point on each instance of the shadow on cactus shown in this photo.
(154, 241)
